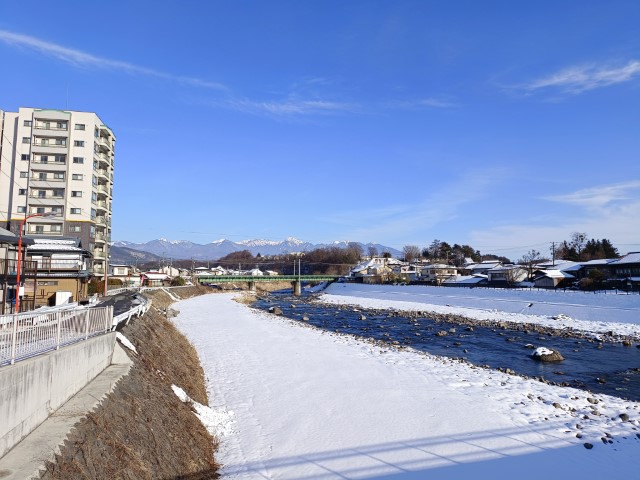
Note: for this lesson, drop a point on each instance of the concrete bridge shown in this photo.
(296, 280)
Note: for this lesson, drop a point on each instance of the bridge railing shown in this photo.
(264, 278)
(27, 334)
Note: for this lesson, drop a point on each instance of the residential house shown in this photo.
(155, 279)
(63, 270)
(482, 268)
(506, 275)
(127, 274)
(627, 267)
(551, 278)
(438, 272)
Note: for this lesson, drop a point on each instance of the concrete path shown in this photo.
(27, 459)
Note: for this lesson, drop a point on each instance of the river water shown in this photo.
(603, 367)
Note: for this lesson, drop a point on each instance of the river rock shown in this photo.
(275, 310)
(543, 354)
(362, 317)
(624, 417)
(588, 446)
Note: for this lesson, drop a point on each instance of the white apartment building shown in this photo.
(58, 163)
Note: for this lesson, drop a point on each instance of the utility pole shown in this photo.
(553, 253)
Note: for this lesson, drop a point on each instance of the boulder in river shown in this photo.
(543, 354)
(275, 310)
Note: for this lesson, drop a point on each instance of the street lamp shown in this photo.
(18, 268)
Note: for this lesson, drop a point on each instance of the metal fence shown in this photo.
(27, 334)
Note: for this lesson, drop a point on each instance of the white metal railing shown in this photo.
(27, 334)
(138, 310)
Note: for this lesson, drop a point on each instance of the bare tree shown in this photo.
(411, 252)
(529, 261)
(578, 242)
(372, 251)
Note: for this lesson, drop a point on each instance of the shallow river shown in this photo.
(602, 367)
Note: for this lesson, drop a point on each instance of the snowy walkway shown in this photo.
(313, 405)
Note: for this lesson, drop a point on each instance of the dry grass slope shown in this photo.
(142, 430)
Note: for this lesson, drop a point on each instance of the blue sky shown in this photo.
(504, 125)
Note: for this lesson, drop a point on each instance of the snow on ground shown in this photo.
(126, 342)
(310, 404)
(589, 312)
(218, 422)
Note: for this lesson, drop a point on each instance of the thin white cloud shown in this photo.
(408, 222)
(608, 211)
(601, 196)
(582, 78)
(289, 107)
(431, 102)
(79, 58)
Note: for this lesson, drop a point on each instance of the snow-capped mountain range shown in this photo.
(185, 249)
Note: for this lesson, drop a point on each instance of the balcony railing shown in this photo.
(8, 267)
(37, 195)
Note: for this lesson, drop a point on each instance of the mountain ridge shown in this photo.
(185, 249)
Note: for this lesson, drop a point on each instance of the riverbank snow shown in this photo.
(587, 312)
(310, 404)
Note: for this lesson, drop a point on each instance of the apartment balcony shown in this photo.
(104, 190)
(50, 164)
(99, 254)
(48, 181)
(43, 230)
(102, 173)
(51, 128)
(103, 205)
(102, 220)
(48, 148)
(46, 196)
(104, 144)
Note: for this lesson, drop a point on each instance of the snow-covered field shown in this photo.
(299, 403)
(597, 313)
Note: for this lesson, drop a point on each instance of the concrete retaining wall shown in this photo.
(32, 389)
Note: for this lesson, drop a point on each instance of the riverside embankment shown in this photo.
(142, 430)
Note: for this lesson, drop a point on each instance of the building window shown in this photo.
(27, 123)
(41, 175)
(94, 197)
(61, 125)
(39, 229)
(78, 143)
(74, 228)
(39, 210)
(76, 211)
(44, 141)
(76, 176)
(78, 159)
(93, 213)
(26, 139)
(76, 193)
(94, 180)
(44, 158)
(61, 141)
(79, 126)
(25, 156)
(56, 210)
(59, 159)
(58, 192)
(55, 228)
(22, 209)
(22, 191)
(58, 175)
(24, 174)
